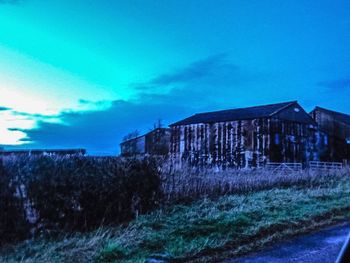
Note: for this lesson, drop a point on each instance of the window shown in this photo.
(348, 140)
(296, 109)
(277, 139)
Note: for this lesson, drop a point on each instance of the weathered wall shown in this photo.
(246, 143)
(158, 142)
(338, 133)
(295, 142)
(236, 143)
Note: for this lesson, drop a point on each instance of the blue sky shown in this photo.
(84, 73)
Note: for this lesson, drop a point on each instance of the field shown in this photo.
(205, 216)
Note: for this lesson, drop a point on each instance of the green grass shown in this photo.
(206, 230)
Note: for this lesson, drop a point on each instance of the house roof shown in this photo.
(342, 117)
(236, 114)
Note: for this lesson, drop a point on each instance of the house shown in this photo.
(247, 137)
(337, 126)
(43, 152)
(155, 142)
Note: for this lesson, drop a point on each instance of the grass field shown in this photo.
(209, 228)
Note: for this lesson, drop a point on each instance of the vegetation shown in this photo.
(13, 225)
(189, 184)
(206, 218)
(51, 194)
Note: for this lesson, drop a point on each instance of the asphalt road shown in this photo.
(323, 246)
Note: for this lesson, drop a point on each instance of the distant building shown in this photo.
(43, 152)
(248, 137)
(337, 126)
(155, 142)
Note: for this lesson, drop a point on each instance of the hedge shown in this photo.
(52, 193)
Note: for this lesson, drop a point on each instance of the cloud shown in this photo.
(339, 84)
(100, 131)
(93, 105)
(14, 129)
(196, 70)
(202, 85)
(4, 108)
(32, 115)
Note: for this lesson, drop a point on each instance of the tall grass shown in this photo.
(188, 184)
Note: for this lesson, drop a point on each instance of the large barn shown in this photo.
(248, 137)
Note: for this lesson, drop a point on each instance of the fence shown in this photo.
(294, 167)
(314, 165)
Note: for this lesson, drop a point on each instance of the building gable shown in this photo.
(294, 113)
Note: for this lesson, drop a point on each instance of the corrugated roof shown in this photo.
(342, 117)
(235, 114)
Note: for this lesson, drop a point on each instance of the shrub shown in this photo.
(80, 193)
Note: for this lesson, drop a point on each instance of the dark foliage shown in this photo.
(80, 193)
(13, 224)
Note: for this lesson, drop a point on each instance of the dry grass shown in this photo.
(234, 212)
(188, 184)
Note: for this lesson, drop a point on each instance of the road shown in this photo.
(323, 246)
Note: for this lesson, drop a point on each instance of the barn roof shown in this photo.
(342, 117)
(236, 114)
